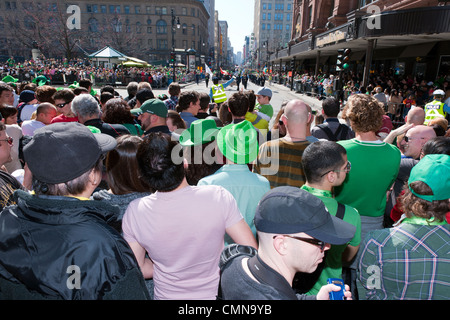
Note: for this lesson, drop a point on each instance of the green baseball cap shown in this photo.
(238, 142)
(200, 132)
(434, 170)
(153, 106)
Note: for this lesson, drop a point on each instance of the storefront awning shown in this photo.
(417, 50)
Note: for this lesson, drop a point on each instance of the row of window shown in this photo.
(276, 16)
(277, 6)
(161, 26)
(94, 8)
(267, 26)
(127, 9)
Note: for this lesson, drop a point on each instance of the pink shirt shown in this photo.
(183, 233)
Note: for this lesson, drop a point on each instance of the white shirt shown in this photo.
(29, 126)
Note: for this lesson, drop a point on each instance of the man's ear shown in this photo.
(280, 245)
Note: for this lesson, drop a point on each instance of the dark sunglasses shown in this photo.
(313, 241)
(406, 138)
(62, 105)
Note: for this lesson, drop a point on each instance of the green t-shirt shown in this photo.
(267, 109)
(374, 169)
(333, 261)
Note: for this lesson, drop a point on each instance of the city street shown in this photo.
(280, 93)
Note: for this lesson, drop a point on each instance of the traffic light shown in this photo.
(342, 59)
(172, 57)
(292, 64)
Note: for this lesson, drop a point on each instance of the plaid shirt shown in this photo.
(171, 103)
(409, 261)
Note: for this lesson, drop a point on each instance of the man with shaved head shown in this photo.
(280, 160)
(411, 144)
(415, 117)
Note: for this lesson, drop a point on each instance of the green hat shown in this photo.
(153, 106)
(40, 80)
(434, 170)
(74, 85)
(238, 142)
(9, 78)
(200, 132)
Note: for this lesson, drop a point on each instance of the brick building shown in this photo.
(411, 37)
(138, 28)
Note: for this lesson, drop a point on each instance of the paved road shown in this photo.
(280, 93)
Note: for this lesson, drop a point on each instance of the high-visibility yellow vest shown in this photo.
(433, 110)
(219, 94)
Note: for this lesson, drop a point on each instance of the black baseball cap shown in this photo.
(290, 210)
(63, 151)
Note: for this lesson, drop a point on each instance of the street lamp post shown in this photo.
(175, 20)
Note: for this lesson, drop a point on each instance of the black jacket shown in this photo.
(114, 130)
(63, 248)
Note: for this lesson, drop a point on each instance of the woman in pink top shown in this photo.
(180, 227)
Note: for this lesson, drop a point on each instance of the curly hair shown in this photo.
(364, 112)
(415, 206)
(117, 111)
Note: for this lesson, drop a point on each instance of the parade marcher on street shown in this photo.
(217, 92)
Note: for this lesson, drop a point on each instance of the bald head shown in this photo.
(417, 137)
(296, 111)
(416, 116)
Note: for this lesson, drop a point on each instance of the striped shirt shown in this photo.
(280, 161)
(410, 261)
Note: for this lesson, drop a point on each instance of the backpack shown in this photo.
(342, 130)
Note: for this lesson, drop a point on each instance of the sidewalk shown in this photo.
(315, 103)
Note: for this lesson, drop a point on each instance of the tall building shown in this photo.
(408, 37)
(272, 28)
(146, 29)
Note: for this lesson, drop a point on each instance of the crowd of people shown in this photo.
(60, 72)
(397, 92)
(195, 196)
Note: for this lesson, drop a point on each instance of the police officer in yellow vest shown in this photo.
(436, 108)
(217, 91)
